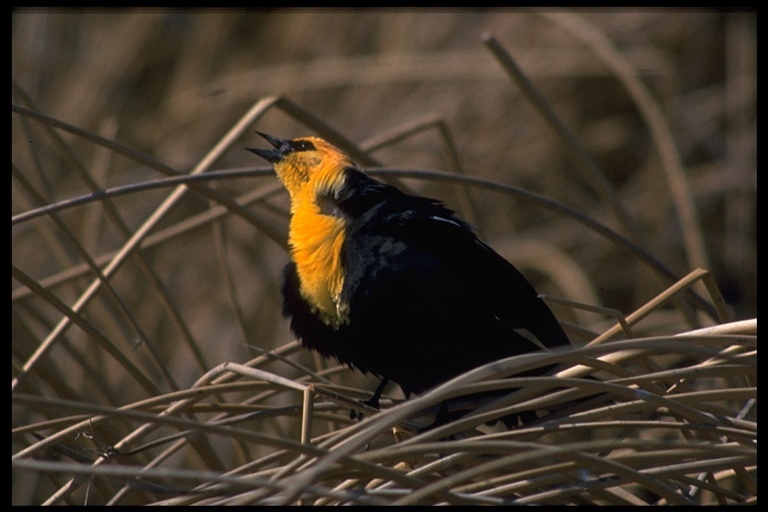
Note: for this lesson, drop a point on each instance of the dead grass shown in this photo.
(150, 360)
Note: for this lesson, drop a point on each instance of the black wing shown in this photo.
(428, 300)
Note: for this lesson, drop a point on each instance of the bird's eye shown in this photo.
(303, 145)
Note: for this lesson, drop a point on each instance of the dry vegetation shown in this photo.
(609, 155)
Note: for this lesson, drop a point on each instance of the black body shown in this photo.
(427, 300)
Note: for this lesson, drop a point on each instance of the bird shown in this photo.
(395, 284)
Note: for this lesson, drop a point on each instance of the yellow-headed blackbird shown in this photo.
(395, 284)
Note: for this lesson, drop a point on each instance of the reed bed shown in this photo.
(610, 155)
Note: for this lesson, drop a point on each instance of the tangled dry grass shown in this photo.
(610, 155)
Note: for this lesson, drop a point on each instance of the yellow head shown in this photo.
(305, 164)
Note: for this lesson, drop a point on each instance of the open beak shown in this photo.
(272, 155)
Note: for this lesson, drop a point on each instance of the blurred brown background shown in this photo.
(171, 83)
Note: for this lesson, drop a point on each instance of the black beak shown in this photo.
(282, 147)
